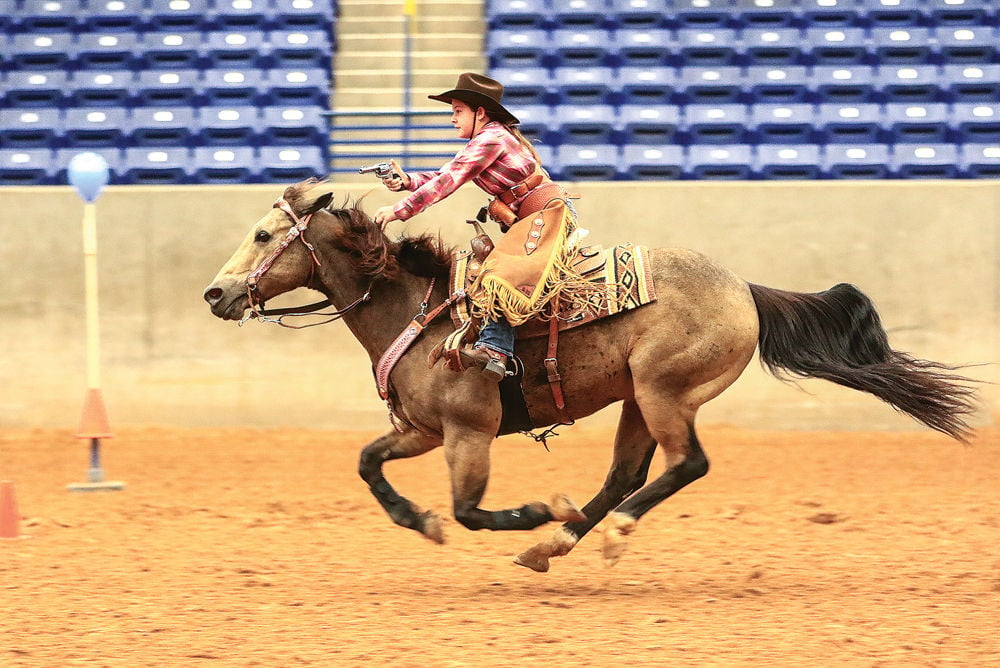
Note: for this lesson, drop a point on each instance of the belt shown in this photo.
(522, 188)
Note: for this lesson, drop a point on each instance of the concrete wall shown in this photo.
(926, 252)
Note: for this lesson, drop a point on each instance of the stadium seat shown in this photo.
(179, 15)
(710, 85)
(782, 123)
(161, 126)
(106, 51)
(171, 50)
(233, 86)
(38, 16)
(772, 46)
(35, 88)
(597, 162)
(967, 44)
(790, 161)
(26, 167)
(893, 13)
(925, 161)
(156, 166)
(731, 162)
(215, 165)
(642, 48)
(716, 123)
(535, 121)
(917, 123)
(646, 85)
(63, 156)
(971, 83)
(980, 161)
(110, 88)
(768, 14)
(785, 84)
(86, 127)
(577, 14)
(9, 22)
(584, 124)
(294, 126)
(903, 45)
(703, 13)
(645, 124)
(524, 85)
(643, 14)
(30, 128)
(907, 83)
(958, 12)
(517, 48)
(856, 161)
(849, 123)
(299, 48)
(40, 51)
(587, 85)
(700, 47)
(307, 86)
(852, 85)
(976, 123)
(831, 13)
(114, 15)
(169, 87)
(234, 49)
(518, 14)
(241, 14)
(228, 126)
(836, 46)
(284, 164)
(303, 14)
(651, 163)
(580, 48)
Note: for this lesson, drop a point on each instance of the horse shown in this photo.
(662, 361)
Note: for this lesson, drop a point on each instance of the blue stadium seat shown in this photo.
(894, 13)
(102, 88)
(580, 47)
(169, 87)
(716, 123)
(576, 14)
(583, 85)
(294, 126)
(785, 84)
(548, 156)
(831, 13)
(87, 127)
(968, 44)
(305, 86)
(40, 51)
(215, 165)
(228, 126)
(651, 163)
(299, 48)
(907, 83)
(849, 123)
(768, 13)
(645, 124)
(26, 167)
(732, 162)
(114, 15)
(703, 13)
(524, 85)
(584, 124)
(303, 14)
(971, 83)
(171, 50)
(535, 120)
(156, 166)
(700, 47)
(772, 46)
(642, 14)
(976, 123)
(179, 15)
(518, 14)
(856, 161)
(852, 84)
(788, 161)
(836, 46)
(10, 19)
(161, 126)
(233, 86)
(63, 156)
(903, 45)
(980, 161)
(598, 162)
(958, 12)
(782, 123)
(234, 49)
(925, 161)
(51, 15)
(30, 128)
(642, 47)
(36, 88)
(284, 164)
(241, 14)
(106, 51)
(710, 85)
(647, 85)
(917, 123)
(517, 48)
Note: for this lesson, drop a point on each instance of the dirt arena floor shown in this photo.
(264, 548)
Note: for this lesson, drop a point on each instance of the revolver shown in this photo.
(382, 170)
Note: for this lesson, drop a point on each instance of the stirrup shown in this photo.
(495, 362)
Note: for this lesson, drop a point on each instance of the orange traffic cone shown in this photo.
(94, 418)
(10, 520)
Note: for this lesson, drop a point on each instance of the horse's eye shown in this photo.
(262, 236)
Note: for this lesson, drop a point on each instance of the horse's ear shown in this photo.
(321, 202)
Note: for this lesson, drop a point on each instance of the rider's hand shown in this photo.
(400, 181)
(385, 215)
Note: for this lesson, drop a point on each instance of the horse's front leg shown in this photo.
(402, 511)
(468, 455)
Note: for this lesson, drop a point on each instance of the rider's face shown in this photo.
(464, 119)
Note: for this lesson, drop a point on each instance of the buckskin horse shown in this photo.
(662, 361)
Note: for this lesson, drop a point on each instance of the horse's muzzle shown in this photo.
(228, 304)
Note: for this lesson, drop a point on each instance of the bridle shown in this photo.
(257, 310)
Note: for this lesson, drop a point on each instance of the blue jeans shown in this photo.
(497, 335)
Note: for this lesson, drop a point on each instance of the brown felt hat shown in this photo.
(478, 90)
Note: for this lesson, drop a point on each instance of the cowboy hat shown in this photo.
(478, 90)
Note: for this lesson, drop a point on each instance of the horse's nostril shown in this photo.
(213, 295)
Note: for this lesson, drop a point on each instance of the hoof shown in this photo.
(535, 559)
(615, 543)
(432, 527)
(564, 510)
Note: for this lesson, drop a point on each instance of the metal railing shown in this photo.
(358, 142)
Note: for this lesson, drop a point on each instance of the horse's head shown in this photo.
(275, 257)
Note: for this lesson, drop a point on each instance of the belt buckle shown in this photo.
(524, 184)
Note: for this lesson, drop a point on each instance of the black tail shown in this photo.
(837, 335)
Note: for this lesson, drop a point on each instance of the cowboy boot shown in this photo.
(490, 361)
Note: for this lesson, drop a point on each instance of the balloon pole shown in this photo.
(88, 173)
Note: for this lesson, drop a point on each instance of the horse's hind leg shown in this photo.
(402, 511)
(633, 452)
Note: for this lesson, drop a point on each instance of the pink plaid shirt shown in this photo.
(494, 160)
